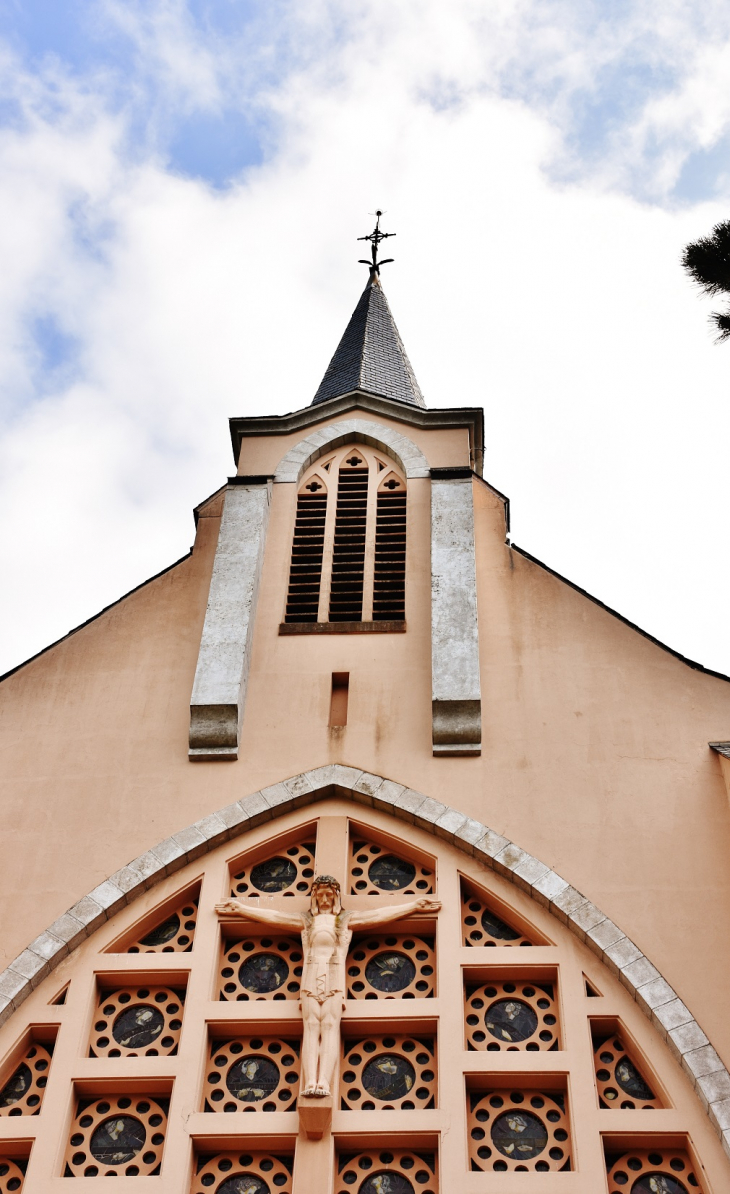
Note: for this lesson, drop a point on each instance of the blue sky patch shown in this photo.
(705, 173)
(211, 145)
(64, 28)
(55, 349)
(214, 147)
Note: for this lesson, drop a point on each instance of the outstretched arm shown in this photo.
(383, 916)
(264, 916)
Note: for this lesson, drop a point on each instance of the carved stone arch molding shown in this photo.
(396, 445)
(621, 956)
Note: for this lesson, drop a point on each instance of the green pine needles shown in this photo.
(707, 261)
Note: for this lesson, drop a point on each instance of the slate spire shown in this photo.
(370, 355)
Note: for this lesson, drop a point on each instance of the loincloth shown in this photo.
(323, 992)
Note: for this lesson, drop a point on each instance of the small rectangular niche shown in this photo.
(338, 700)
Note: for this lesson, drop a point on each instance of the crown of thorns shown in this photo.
(325, 881)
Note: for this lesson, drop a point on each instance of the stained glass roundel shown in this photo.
(138, 1026)
(275, 874)
(519, 1134)
(164, 932)
(252, 1079)
(386, 1183)
(244, 1183)
(117, 1140)
(658, 1183)
(263, 972)
(390, 972)
(630, 1080)
(497, 928)
(16, 1087)
(388, 1077)
(510, 1020)
(390, 873)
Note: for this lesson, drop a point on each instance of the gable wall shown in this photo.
(594, 755)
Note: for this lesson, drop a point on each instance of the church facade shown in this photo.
(359, 851)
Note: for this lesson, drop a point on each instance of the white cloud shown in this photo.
(560, 307)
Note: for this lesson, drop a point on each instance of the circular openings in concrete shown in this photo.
(482, 926)
(289, 872)
(261, 968)
(397, 1171)
(520, 1130)
(11, 1176)
(173, 934)
(121, 1136)
(619, 1080)
(22, 1093)
(511, 1016)
(254, 1173)
(252, 1073)
(393, 967)
(660, 1171)
(387, 1073)
(375, 869)
(137, 1021)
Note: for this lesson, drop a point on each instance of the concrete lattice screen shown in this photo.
(538, 1064)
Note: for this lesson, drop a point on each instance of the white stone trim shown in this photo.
(401, 449)
(654, 995)
(456, 689)
(221, 674)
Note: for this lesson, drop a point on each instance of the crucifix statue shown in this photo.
(326, 931)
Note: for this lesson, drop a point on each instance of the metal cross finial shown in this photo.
(375, 238)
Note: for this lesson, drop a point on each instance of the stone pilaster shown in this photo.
(219, 689)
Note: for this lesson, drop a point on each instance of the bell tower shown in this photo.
(341, 473)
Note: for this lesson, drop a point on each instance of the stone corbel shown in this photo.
(219, 689)
(456, 689)
(315, 1115)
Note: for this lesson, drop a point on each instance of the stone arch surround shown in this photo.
(624, 959)
(396, 445)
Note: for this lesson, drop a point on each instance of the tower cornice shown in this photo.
(470, 417)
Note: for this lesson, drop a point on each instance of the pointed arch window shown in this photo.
(348, 561)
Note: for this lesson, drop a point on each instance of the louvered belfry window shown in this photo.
(348, 551)
(348, 561)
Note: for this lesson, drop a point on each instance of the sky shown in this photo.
(181, 187)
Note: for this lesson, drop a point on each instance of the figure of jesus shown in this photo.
(326, 931)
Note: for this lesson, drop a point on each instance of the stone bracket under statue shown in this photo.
(315, 1115)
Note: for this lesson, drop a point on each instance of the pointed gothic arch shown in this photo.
(396, 445)
(484, 846)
